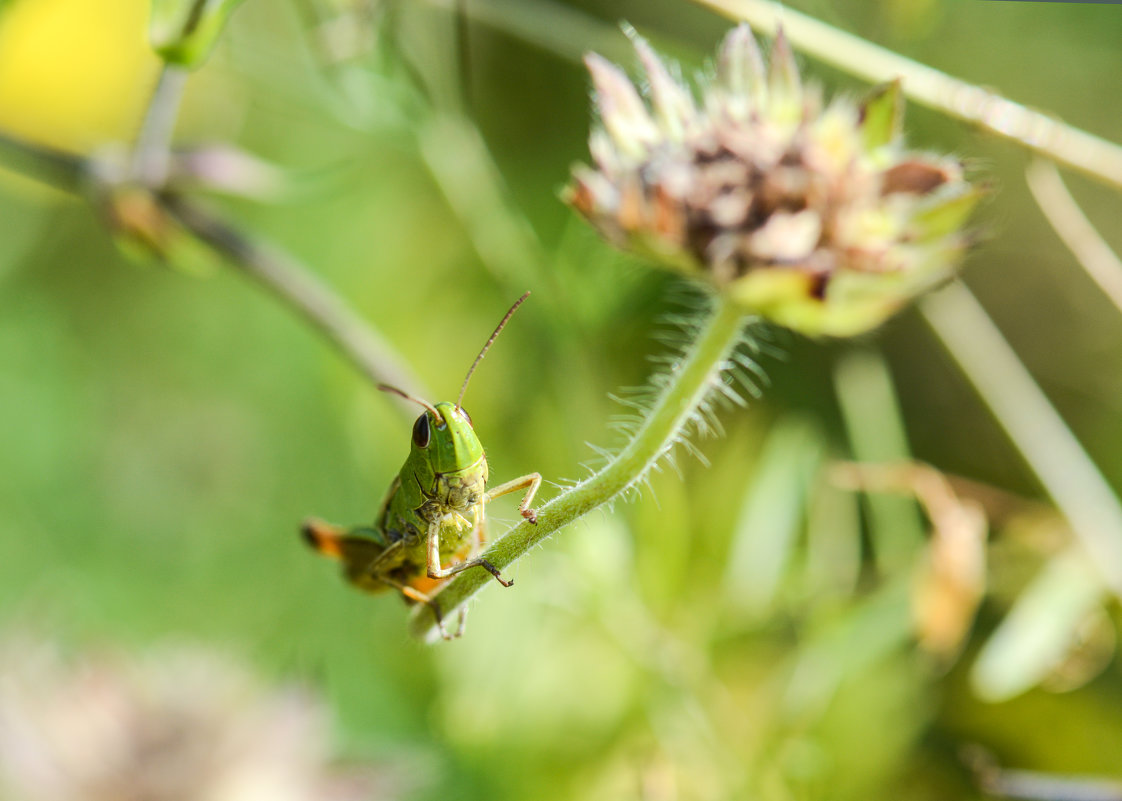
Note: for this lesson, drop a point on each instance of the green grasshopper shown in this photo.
(423, 521)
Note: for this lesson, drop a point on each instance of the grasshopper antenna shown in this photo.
(487, 346)
(408, 397)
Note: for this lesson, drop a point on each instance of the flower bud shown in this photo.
(183, 32)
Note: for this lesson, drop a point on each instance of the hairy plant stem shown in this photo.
(690, 380)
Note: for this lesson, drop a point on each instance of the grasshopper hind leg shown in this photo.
(415, 595)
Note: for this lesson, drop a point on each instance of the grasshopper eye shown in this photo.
(467, 416)
(421, 432)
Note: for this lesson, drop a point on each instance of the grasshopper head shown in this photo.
(446, 438)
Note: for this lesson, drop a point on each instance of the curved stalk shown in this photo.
(300, 290)
(55, 168)
(1069, 222)
(689, 383)
(288, 280)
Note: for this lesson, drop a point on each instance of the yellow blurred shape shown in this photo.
(74, 73)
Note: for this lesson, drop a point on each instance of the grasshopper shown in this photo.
(422, 534)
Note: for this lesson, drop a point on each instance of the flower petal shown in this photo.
(740, 66)
(783, 79)
(672, 103)
(787, 237)
(622, 111)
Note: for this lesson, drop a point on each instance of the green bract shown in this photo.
(183, 32)
(814, 215)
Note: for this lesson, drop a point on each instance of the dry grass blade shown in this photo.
(1072, 226)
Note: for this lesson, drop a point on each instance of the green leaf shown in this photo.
(1037, 634)
(772, 514)
(844, 644)
(183, 32)
(882, 115)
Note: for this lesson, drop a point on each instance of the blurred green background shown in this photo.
(738, 631)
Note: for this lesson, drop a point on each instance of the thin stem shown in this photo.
(1072, 226)
(1036, 429)
(152, 151)
(300, 290)
(1030, 785)
(1039, 132)
(690, 382)
(55, 168)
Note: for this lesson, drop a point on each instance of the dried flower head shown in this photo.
(814, 216)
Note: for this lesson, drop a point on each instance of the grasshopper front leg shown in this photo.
(531, 480)
(432, 563)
